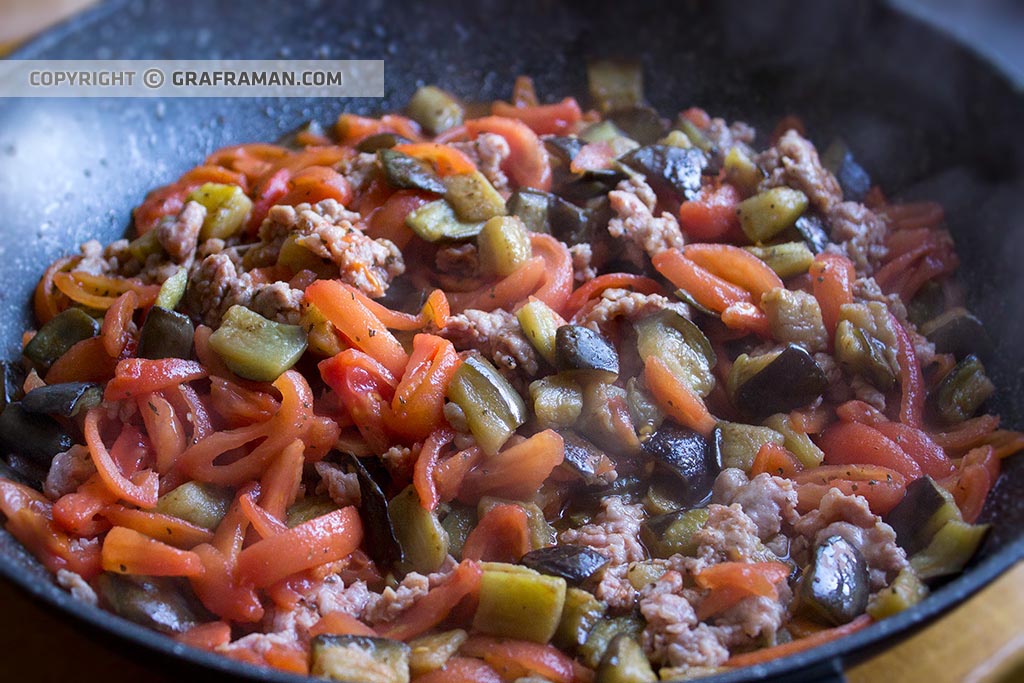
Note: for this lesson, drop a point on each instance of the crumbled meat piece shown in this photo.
(215, 285)
(672, 635)
(838, 390)
(278, 301)
(794, 162)
(614, 532)
(582, 256)
(795, 317)
(728, 535)
(77, 586)
(633, 203)
(360, 170)
(93, 261)
(341, 486)
(497, 335)
(600, 314)
(393, 601)
(488, 151)
(865, 391)
(180, 235)
(851, 517)
(328, 230)
(260, 643)
(330, 595)
(68, 471)
(724, 136)
(859, 234)
(755, 618)
(458, 260)
(400, 460)
(615, 589)
(770, 502)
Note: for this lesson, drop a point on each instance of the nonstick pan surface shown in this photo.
(923, 114)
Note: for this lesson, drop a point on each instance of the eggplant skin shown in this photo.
(686, 456)
(792, 380)
(579, 349)
(573, 563)
(835, 587)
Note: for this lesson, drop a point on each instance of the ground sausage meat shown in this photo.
(644, 234)
(770, 502)
(794, 162)
(179, 237)
(488, 151)
(859, 234)
(850, 517)
(215, 284)
(601, 314)
(498, 336)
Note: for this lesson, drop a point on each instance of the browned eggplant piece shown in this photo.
(835, 587)
(585, 353)
(639, 123)
(161, 604)
(959, 332)
(404, 172)
(961, 392)
(380, 141)
(573, 563)
(382, 544)
(59, 334)
(689, 459)
(166, 334)
(925, 508)
(587, 460)
(669, 170)
(853, 179)
(531, 206)
(11, 383)
(792, 380)
(65, 400)
(813, 232)
(35, 437)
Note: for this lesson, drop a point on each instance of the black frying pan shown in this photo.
(925, 116)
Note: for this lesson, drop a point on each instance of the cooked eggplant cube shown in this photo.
(532, 208)
(435, 110)
(767, 214)
(407, 173)
(492, 407)
(158, 603)
(576, 564)
(811, 229)
(382, 544)
(35, 437)
(835, 587)
(961, 392)
(587, 460)
(166, 334)
(66, 400)
(437, 220)
(853, 179)
(59, 334)
(959, 332)
(642, 124)
(256, 348)
(925, 508)
(672, 533)
(380, 141)
(624, 662)
(615, 83)
(516, 602)
(12, 382)
(581, 351)
(949, 550)
(792, 380)
(423, 540)
(580, 613)
(359, 658)
(431, 652)
(669, 170)
(690, 459)
(201, 504)
(592, 651)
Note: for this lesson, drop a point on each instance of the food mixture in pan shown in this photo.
(509, 392)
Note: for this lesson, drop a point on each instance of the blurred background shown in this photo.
(981, 642)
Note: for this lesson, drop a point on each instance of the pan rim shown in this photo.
(847, 649)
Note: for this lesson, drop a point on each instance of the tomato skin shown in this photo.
(528, 164)
(543, 119)
(882, 487)
(853, 443)
(712, 216)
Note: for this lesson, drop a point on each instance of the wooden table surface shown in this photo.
(981, 641)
